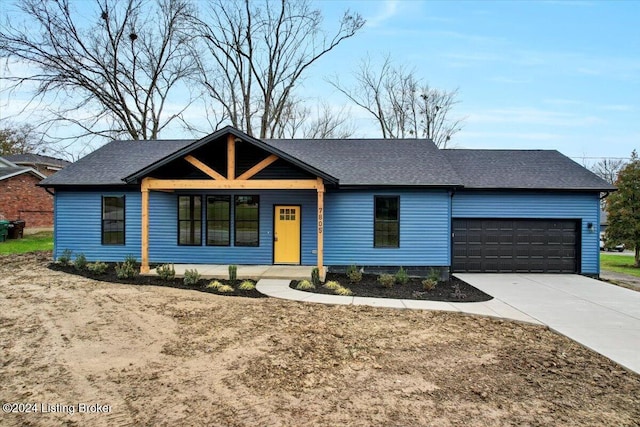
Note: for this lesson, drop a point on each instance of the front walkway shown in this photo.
(492, 308)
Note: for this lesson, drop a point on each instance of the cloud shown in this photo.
(388, 11)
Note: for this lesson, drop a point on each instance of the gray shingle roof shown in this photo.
(382, 162)
(109, 164)
(8, 172)
(30, 158)
(358, 162)
(522, 169)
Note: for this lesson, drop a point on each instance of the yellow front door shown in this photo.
(286, 235)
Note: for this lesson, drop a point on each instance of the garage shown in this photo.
(515, 245)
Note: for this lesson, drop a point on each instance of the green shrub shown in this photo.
(434, 274)
(65, 257)
(126, 270)
(214, 284)
(401, 277)
(247, 285)
(225, 289)
(191, 277)
(386, 280)
(315, 276)
(80, 263)
(343, 291)
(233, 272)
(331, 285)
(98, 268)
(305, 285)
(166, 271)
(354, 275)
(429, 284)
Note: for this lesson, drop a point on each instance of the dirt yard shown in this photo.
(163, 356)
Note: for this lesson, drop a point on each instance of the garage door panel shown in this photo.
(515, 245)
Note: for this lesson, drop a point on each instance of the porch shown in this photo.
(252, 272)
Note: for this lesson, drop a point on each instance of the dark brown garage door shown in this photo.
(515, 246)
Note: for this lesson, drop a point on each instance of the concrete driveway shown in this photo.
(598, 315)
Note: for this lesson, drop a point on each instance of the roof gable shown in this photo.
(216, 137)
(11, 171)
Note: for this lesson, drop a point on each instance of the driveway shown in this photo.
(600, 316)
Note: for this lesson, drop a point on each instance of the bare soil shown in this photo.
(452, 290)
(166, 356)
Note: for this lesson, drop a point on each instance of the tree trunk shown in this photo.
(637, 260)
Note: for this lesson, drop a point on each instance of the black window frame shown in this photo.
(196, 217)
(377, 222)
(123, 221)
(237, 221)
(208, 220)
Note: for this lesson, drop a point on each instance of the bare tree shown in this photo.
(402, 105)
(608, 169)
(329, 123)
(109, 74)
(260, 50)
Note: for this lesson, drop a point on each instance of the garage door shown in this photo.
(515, 245)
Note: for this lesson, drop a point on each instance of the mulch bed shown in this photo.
(370, 287)
(110, 276)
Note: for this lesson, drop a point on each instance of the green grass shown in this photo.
(619, 264)
(29, 243)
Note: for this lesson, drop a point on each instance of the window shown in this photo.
(113, 220)
(189, 220)
(387, 222)
(247, 220)
(218, 220)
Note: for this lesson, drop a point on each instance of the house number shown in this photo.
(320, 220)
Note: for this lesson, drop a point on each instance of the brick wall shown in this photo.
(21, 199)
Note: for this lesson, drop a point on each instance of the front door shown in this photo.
(286, 235)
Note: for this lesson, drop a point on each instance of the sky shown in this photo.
(561, 75)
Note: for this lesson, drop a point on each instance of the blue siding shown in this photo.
(581, 206)
(424, 229)
(163, 223)
(78, 217)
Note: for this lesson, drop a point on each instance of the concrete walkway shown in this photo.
(492, 308)
(600, 316)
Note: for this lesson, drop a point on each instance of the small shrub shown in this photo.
(247, 285)
(126, 270)
(98, 268)
(214, 284)
(65, 257)
(401, 277)
(81, 262)
(130, 259)
(225, 289)
(434, 274)
(354, 275)
(305, 285)
(233, 272)
(386, 280)
(191, 277)
(315, 276)
(343, 291)
(332, 285)
(429, 284)
(166, 271)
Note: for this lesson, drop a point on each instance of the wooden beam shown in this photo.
(320, 254)
(258, 167)
(204, 168)
(231, 157)
(144, 188)
(253, 184)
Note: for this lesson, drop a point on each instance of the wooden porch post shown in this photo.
(231, 157)
(144, 188)
(320, 251)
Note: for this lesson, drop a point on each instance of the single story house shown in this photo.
(21, 198)
(230, 198)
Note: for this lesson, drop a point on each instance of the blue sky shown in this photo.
(559, 75)
(551, 75)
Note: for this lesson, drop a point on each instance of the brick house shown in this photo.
(21, 198)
